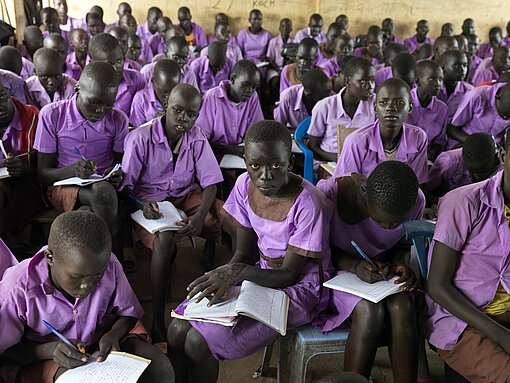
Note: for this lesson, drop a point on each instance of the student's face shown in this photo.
(388, 27)
(94, 100)
(392, 106)
(163, 85)
(80, 42)
(455, 68)
(503, 107)
(374, 43)
(122, 38)
(268, 166)
(501, 60)
(6, 107)
(468, 28)
(255, 20)
(128, 23)
(423, 28)
(319, 91)
(384, 219)
(447, 30)
(184, 19)
(152, 19)
(462, 43)
(51, 22)
(217, 59)
(344, 47)
(223, 33)
(61, 7)
(177, 53)
(444, 46)
(124, 9)
(480, 171)
(50, 75)
(315, 26)
(473, 43)
(361, 85)
(95, 26)
(115, 58)
(495, 39)
(163, 26)
(181, 113)
(134, 49)
(408, 76)
(285, 28)
(58, 46)
(331, 37)
(343, 21)
(221, 18)
(431, 81)
(244, 85)
(305, 57)
(34, 42)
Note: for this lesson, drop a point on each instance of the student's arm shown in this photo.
(196, 221)
(49, 173)
(321, 155)
(356, 265)
(19, 168)
(463, 115)
(228, 149)
(434, 151)
(456, 133)
(400, 255)
(110, 340)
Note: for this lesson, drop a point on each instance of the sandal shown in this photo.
(130, 261)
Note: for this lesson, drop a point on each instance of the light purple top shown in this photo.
(7, 259)
(146, 52)
(11, 143)
(331, 67)
(65, 35)
(483, 64)
(187, 74)
(61, 126)
(27, 68)
(505, 41)
(449, 171)
(304, 33)
(486, 75)
(143, 31)
(149, 168)
(38, 97)
(254, 47)
(321, 59)
(431, 119)
(157, 44)
(14, 84)
(131, 64)
(284, 80)
(205, 76)
(455, 98)
(291, 110)
(232, 41)
(363, 151)
(222, 121)
(382, 75)
(471, 221)
(144, 106)
(233, 52)
(396, 40)
(477, 112)
(72, 23)
(27, 296)
(329, 113)
(485, 50)
(274, 49)
(198, 32)
(474, 65)
(73, 67)
(132, 81)
(413, 43)
(358, 52)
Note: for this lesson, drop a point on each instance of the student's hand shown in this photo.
(84, 169)
(430, 213)
(16, 167)
(151, 214)
(191, 226)
(108, 342)
(66, 357)
(240, 151)
(116, 177)
(368, 273)
(406, 275)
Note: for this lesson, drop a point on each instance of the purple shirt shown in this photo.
(304, 33)
(471, 221)
(7, 259)
(149, 168)
(232, 41)
(132, 81)
(73, 67)
(187, 74)
(38, 97)
(291, 110)
(14, 84)
(449, 171)
(486, 75)
(331, 67)
(72, 23)
(396, 40)
(329, 113)
(146, 53)
(432, 119)
(11, 142)
(27, 69)
(131, 64)
(199, 34)
(143, 31)
(61, 126)
(205, 76)
(358, 52)
(284, 80)
(485, 50)
(321, 58)
(484, 64)
(222, 121)
(363, 151)
(413, 44)
(27, 296)
(144, 106)
(382, 75)
(157, 44)
(274, 49)
(453, 101)
(254, 47)
(474, 65)
(233, 52)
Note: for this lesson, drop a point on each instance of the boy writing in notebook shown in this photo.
(210, 70)
(157, 41)
(77, 59)
(77, 285)
(306, 55)
(122, 38)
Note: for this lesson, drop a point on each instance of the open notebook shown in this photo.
(4, 173)
(171, 215)
(77, 181)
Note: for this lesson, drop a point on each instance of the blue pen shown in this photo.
(144, 204)
(63, 338)
(81, 155)
(366, 258)
(453, 183)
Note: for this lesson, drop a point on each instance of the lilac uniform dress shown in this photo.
(233, 52)
(300, 224)
(455, 98)
(305, 32)
(143, 31)
(132, 81)
(254, 46)
(413, 44)
(474, 65)
(485, 50)
(7, 259)
(382, 75)
(38, 97)
(157, 44)
(14, 84)
(487, 75)
(291, 110)
(373, 240)
(27, 68)
(187, 74)
(144, 107)
(274, 49)
(205, 76)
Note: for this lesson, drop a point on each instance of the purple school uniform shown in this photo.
(363, 151)
(331, 67)
(27, 69)
(486, 75)
(199, 34)
(274, 49)
(157, 44)
(453, 101)
(7, 259)
(232, 41)
(321, 59)
(144, 106)
(449, 171)
(284, 80)
(254, 47)
(65, 35)
(233, 52)
(484, 64)
(149, 168)
(61, 126)
(305, 32)
(485, 51)
(132, 81)
(222, 121)
(10, 140)
(131, 64)
(413, 44)
(432, 119)
(396, 40)
(72, 23)
(477, 113)
(300, 224)
(372, 238)
(291, 110)
(38, 97)
(14, 84)
(474, 65)
(28, 296)
(205, 77)
(73, 67)
(143, 31)
(329, 113)
(382, 75)
(471, 221)
(146, 52)
(187, 74)
(358, 52)
(505, 41)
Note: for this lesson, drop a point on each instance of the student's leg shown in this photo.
(177, 332)
(366, 329)
(202, 367)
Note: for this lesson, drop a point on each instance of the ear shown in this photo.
(77, 88)
(50, 258)
(292, 161)
(347, 81)
(410, 108)
(363, 191)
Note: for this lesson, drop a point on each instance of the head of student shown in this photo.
(10, 59)
(454, 65)
(255, 20)
(316, 85)
(222, 32)
(6, 107)
(95, 23)
(429, 77)
(422, 28)
(462, 42)
(344, 46)
(245, 79)
(424, 52)
(56, 42)
(79, 40)
(359, 75)
(393, 103)
(164, 24)
(306, 54)
(468, 27)
(343, 20)
(32, 38)
(48, 67)
(97, 9)
(315, 24)
(123, 9)
(49, 19)
(217, 54)
(177, 49)
(479, 155)
(285, 27)
(495, 36)
(374, 40)
(501, 59)
(268, 157)
(174, 30)
(221, 18)
(61, 7)
(166, 76)
(339, 79)
(105, 48)
(182, 110)
(122, 37)
(388, 28)
(391, 50)
(443, 44)
(134, 48)
(404, 68)
(128, 23)
(96, 90)
(334, 32)
(184, 16)
(448, 30)
(153, 14)
(502, 101)
(473, 43)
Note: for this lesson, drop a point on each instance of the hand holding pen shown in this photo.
(372, 273)
(150, 209)
(66, 353)
(84, 168)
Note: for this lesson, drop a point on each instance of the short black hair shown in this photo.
(10, 59)
(443, 39)
(102, 42)
(375, 30)
(117, 31)
(424, 65)
(335, 26)
(101, 72)
(183, 9)
(218, 47)
(75, 31)
(355, 64)
(243, 66)
(48, 55)
(186, 90)
(450, 55)
(309, 43)
(423, 52)
(49, 10)
(404, 63)
(154, 10)
(178, 40)
(316, 16)
(395, 48)
(269, 131)
(393, 186)
(479, 148)
(314, 77)
(30, 31)
(342, 64)
(494, 30)
(56, 38)
(397, 83)
(167, 67)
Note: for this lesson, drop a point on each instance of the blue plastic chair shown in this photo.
(299, 136)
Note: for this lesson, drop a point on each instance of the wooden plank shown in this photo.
(19, 15)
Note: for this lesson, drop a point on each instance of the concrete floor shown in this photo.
(187, 267)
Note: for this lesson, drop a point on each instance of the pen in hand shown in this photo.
(366, 258)
(63, 338)
(145, 204)
(83, 157)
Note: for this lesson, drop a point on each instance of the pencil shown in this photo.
(144, 204)
(366, 258)
(63, 338)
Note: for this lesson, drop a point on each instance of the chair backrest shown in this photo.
(341, 134)
(421, 233)
(300, 135)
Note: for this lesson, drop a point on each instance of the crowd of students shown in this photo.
(428, 121)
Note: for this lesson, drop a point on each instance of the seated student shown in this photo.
(77, 59)
(67, 23)
(10, 69)
(122, 38)
(152, 99)
(51, 24)
(448, 30)
(462, 42)
(150, 27)
(314, 30)
(343, 20)
(391, 50)
(400, 65)
(32, 41)
(95, 24)
(306, 55)
(193, 33)
(428, 111)
(224, 35)
(274, 48)
(484, 109)
(444, 44)
(49, 83)
(128, 23)
(338, 79)
(58, 44)
(160, 163)
(105, 48)
(229, 109)
(425, 52)
(468, 27)
(327, 49)
(169, 33)
(157, 41)
(10, 59)
(287, 219)
(370, 211)
(388, 28)
(134, 50)
(222, 18)
(389, 138)
(420, 38)
(486, 50)
(254, 40)
(468, 280)
(77, 285)
(473, 59)
(297, 102)
(373, 51)
(500, 63)
(344, 47)
(476, 161)
(87, 122)
(122, 9)
(210, 70)
(352, 107)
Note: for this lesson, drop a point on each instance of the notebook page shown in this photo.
(374, 292)
(168, 222)
(77, 181)
(4, 173)
(226, 308)
(231, 161)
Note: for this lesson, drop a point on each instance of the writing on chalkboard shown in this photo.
(263, 3)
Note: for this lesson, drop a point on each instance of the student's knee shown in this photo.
(160, 369)
(104, 196)
(177, 332)
(164, 243)
(400, 305)
(195, 346)
(370, 314)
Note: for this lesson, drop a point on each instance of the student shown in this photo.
(443, 44)
(344, 47)
(67, 23)
(224, 35)
(210, 70)
(153, 98)
(150, 27)
(78, 286)
(327, 49)
(157, 41)
(105, 48)
(77, 59)
(230, 108)
(486, 50)
(506, 40)
(254, 40)
(474, 60)
(476, 161)
(484, 109)
(338, 79)
(51, 24)
(468, 280)
(14, 84)
(429, 112)
(10, 60)
(95, 24)
(373, 52)
(468, 27)
(134, 50)
(128, 23)
(391, 50)
(314, 30)
(193, 33)
(274, 49)
(447, 30)
(160, 163)
(32, 41)
(122, 38)
(400, 65)
(287, 219)
(500, 64)
(58, 44)
(222, 18)
(462, 42)
(389, 138)
(352, 107)
(420, 38)
(88, 122)
(49, 83)
(388, 28)
(343, 20)
(297, 102)
(370, 211)
(425, 52)
(306, 55)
